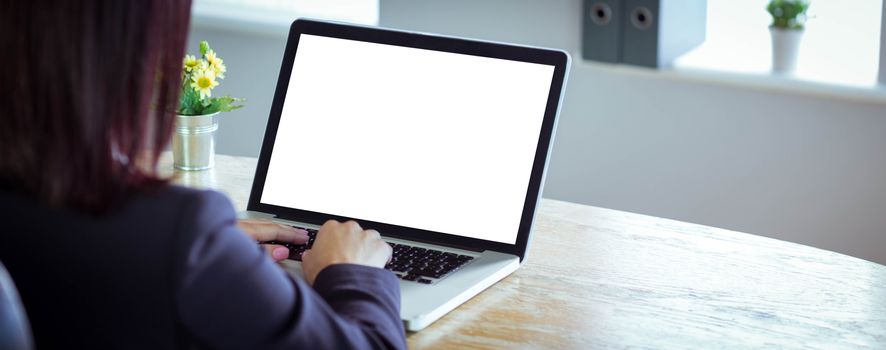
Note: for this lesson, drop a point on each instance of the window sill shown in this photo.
(872, 94)
(273, 22)
(838, 55)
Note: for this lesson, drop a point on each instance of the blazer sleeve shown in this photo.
(230, 295)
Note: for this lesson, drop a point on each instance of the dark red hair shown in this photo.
(87, 88)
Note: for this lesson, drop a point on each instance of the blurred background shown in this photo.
(715, 138)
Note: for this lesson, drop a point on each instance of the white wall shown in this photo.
(882, 79)
(795, 167)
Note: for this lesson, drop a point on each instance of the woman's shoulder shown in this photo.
(150, 202)
(193, 210)
(189, 223)
(163, 216)
(175, 198)
(177, 193)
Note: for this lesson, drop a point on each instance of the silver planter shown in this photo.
(193, 143)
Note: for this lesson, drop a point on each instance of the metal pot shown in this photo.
(193, 143)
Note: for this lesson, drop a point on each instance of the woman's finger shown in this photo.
(276, 252)
(265, 231)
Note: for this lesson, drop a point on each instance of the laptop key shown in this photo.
(428, 273)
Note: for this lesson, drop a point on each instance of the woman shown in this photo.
(106, 254)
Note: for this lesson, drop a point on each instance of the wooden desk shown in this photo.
(599, 278)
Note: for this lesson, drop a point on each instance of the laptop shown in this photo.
(439, 143)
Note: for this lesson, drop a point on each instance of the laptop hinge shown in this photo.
(254, 215)
(448, 245)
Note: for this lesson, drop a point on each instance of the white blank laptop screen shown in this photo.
(411, 137)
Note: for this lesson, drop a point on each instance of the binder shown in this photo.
(601, 30)
(655, 32)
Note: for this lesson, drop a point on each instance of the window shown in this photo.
(275, 16)
(840, 45)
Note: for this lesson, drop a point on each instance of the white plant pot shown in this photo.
(785, 49)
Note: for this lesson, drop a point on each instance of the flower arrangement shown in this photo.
(199, 77)
(788, 14)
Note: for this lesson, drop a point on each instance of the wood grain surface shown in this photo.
(598, 278)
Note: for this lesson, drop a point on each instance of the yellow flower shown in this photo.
(203, 81)
(191, 63)
(217, 64)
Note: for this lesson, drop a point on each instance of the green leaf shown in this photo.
(788, 14)
(223, 104)
(190, 103)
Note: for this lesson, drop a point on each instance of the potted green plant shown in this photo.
(193, 143)
(788, 18)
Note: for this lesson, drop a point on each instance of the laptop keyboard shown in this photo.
(409, 263)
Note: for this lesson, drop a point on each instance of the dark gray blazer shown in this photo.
(170, 269)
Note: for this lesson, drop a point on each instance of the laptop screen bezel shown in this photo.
(556, 58)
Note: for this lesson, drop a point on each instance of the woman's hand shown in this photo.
(266, 230)
(344, 243)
